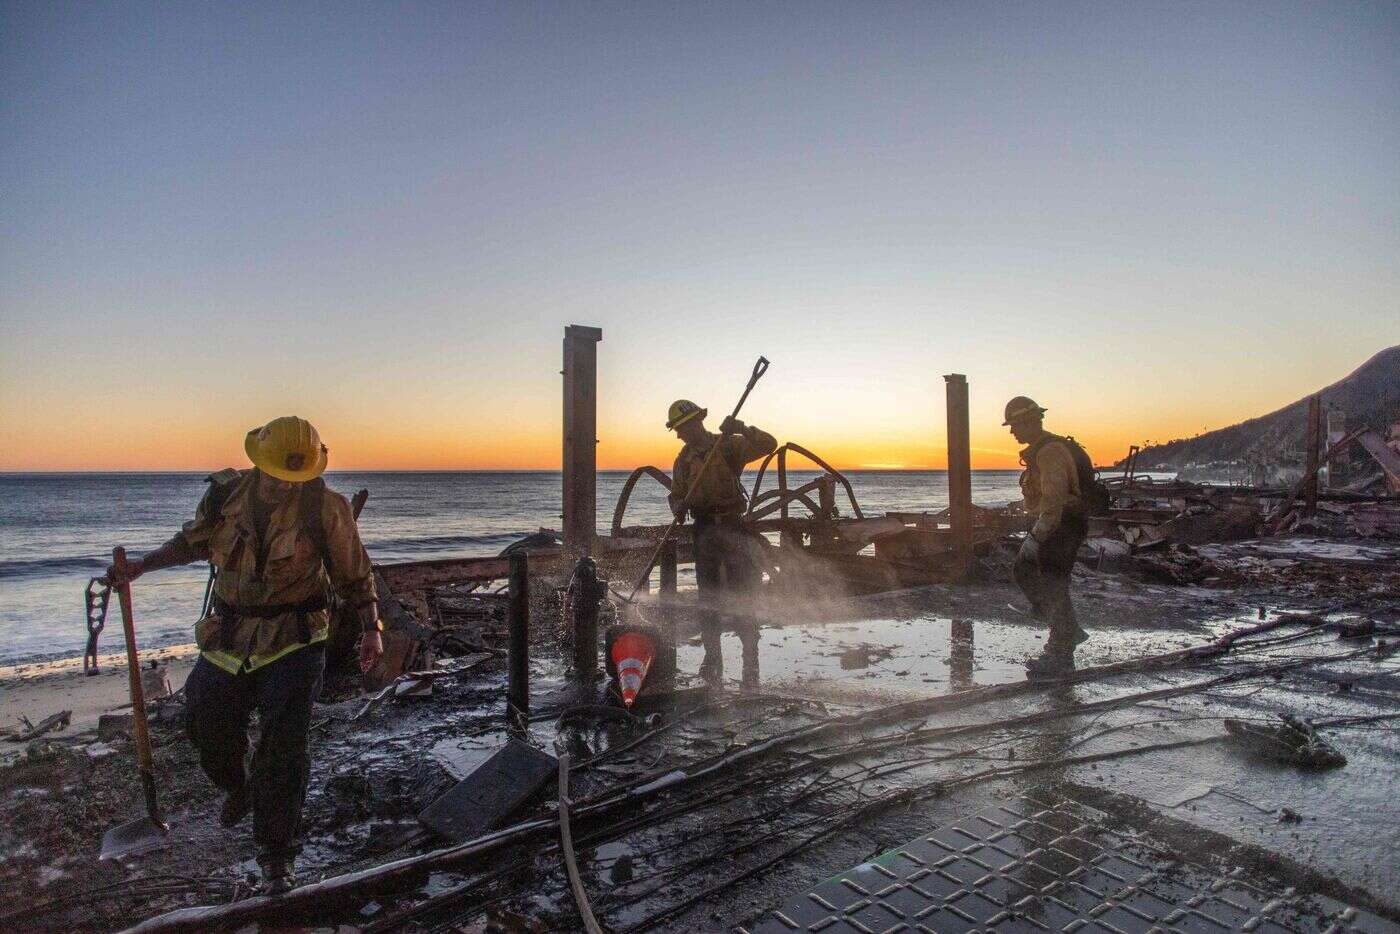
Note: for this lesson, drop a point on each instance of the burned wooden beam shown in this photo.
(959, 465)
(580, 437)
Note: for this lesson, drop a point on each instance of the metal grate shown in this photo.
(1050, 864)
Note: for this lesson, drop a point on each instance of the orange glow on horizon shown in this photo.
(352, 449)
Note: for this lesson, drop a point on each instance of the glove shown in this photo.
(1030, 550)
(731, 426)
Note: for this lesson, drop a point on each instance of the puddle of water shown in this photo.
(899, 657)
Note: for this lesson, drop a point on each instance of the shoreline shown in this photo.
(38, 689)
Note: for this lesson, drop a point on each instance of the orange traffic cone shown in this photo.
(632, 655)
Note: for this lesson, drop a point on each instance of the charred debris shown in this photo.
(488, 775)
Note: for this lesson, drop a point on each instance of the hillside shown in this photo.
(1371, 395)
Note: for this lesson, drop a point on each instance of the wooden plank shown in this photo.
(420, 575)
(1383, 455)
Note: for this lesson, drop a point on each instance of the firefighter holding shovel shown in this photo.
(282, 544)
(705, 484)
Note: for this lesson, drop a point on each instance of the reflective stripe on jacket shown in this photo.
(718, 491)
(292, 571)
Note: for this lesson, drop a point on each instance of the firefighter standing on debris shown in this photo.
(726, 553)
(1054, 486)
(280, 542)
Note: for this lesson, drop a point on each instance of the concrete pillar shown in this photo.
(959, 464)
(580, 437)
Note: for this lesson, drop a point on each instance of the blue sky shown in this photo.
(1155, 218)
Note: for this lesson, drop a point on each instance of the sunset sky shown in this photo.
(1154, 218)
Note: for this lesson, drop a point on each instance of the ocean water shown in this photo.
(58, 530)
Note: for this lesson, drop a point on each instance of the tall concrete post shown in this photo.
(959, 465)
(580, 437)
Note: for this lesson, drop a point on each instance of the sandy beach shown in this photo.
(40, 689)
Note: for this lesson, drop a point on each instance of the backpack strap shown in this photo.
(1083, 464)
(313, 523)
(220, 487)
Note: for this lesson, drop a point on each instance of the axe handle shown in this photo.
(139, 728)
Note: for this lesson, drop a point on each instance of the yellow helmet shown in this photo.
(1020, 407)
(288, 448)
(682, 411)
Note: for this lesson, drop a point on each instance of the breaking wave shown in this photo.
(44, 567)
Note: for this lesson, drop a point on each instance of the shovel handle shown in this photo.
(139, 728)
(759, 368)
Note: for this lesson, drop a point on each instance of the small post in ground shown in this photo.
(518, 688)
(587, 591)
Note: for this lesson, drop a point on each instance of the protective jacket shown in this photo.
(718, 492)
(1050, 483)
(270, 595)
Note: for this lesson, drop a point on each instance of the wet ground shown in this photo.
(724, 851)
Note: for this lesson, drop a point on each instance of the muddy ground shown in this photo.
(373, 775)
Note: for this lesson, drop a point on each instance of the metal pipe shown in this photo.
(518, 688)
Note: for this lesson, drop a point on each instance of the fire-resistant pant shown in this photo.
(1045, 581)
(218, 706)
(726, 567)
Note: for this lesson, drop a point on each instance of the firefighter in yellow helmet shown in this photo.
(283, 546)
(726, 557)
(1056, 489)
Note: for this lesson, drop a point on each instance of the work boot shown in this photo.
(1049, 666)
(712, 668)
(749, 681)
(278, 877)
(237, 804)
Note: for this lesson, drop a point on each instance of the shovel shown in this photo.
(150, 832)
